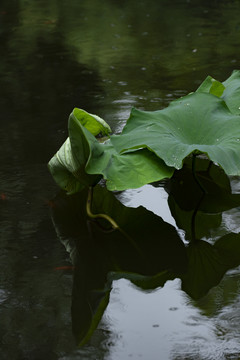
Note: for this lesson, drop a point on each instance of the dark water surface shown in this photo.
(105, 57)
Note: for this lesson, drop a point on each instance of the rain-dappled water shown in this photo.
(105, 57)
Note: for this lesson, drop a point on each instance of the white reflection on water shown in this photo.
(152, 198)
(165, 324)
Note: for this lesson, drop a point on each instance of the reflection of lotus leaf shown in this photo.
(186, 196)
(208, 263)
(148, 256)
(186, 192)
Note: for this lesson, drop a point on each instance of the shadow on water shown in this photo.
(146, 250)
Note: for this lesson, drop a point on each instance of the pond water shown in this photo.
(105, 57)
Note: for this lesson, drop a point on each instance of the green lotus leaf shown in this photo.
(128, 171)
(231, 94)
(62, 167)
(196, 123)
(229, 90)
(83, 160)
(211, 86)
(91, 122)
(122, 171)
(153, 144)
(67, 166)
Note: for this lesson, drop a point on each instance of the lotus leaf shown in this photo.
(82, 160)
(231, 94)
(196, 123)
(229, 90)
(212, 86)
(153, 144)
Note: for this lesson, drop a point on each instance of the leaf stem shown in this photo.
(195, 175)
(96, 216)
(204, 192)
(193, 221)
(114, 225)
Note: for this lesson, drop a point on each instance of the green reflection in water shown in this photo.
(147, 251)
